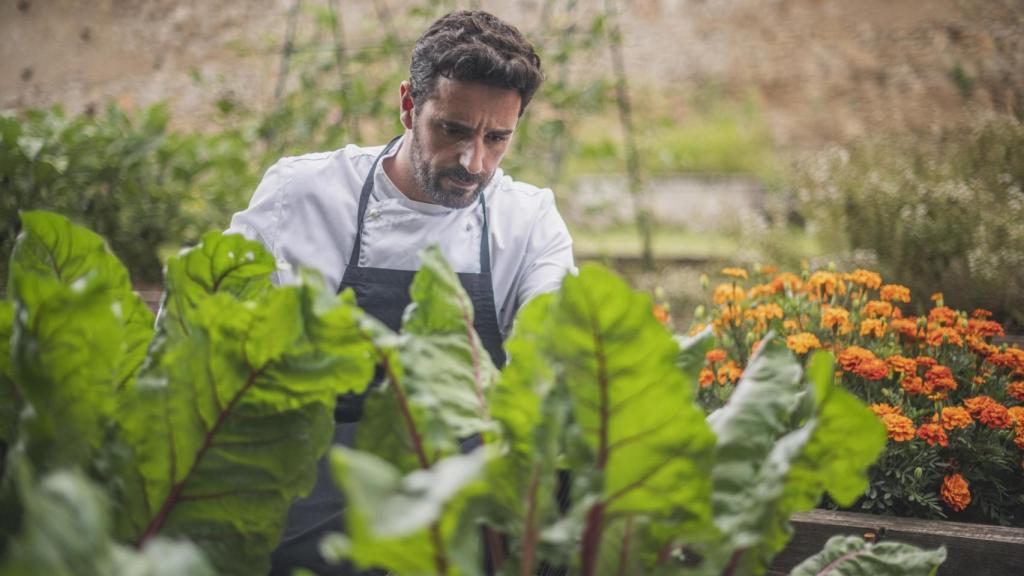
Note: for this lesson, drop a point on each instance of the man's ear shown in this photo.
(406, 104)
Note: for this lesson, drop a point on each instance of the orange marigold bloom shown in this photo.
(824, 284)
(729, 373)
(853, 356)
(995, 416)
(939, 336)
(786, 279)
(883, 409)
(914, 384)
(981, 314)
(872, 369)
(790, 324)
(902, 365)
(839, 318)
(926, 361)
(940, 377)
(895, 293)
(660, 314)
(1016, 415)
(715, 356)
(980, 347)
(865, 278)
(735, 272)
(872, 327)
(936, 297)
(877, 309)
(955, 492)
(803, 342)
(760, 290)
(933, 434)
(976, 404)
(900, 428)
(706, 378)
(1011, 359)
(1016, 390)
(725, 293)
(954, 417)
(984, 328)
(943, 316)
(1018, 439)
(906, 326)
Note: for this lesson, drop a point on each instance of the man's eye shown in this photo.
(451, 130)
(500, 137)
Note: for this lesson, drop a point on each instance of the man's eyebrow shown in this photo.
(460, 126)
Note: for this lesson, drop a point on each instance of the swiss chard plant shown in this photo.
(134, 445)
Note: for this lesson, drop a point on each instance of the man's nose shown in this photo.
(472, 158)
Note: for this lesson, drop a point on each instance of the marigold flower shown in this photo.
(803, 342)
(906, 326)
(1016, 390)
(954, 417)
(939, 396)
(980, 347)
(865, 278)
(883, 409)
(984, 328)
(697, 329)
(940, 377)
(1011, 359)
(706, 378)
(895, 293)
(943, 316)
(926, 361)
(725, 293)
(981, 314)
(1018, 439)
(872, 327)
(995, 416)
(660, 314)
(715, 356)
(933, 434)
(902, 365)
(824, 284)
(768, 269)
(759, 290)
(790, 324)
(853, 356)
(955, 492)
(838, 318)
(1016, 415)
(735, 272)
(729, 373)
(877, 309)
(940, 336)
(899, 428)
(872, 369)
(914, 384)
(785, 279)
(976, 404)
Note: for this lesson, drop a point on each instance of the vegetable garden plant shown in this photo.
(176, 448)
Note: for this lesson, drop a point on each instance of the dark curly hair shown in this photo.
(475, 46)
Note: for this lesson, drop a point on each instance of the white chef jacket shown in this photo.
(304, 211)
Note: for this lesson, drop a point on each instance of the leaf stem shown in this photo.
(530, 535)
(624, 551)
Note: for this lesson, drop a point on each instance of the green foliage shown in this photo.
(938, 216)
(852, 556)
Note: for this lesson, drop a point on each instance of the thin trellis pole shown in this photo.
(287, 49)
(341, 58)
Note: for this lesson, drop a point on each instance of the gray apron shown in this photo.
(384, 294)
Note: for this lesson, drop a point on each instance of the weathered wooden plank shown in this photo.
(975, 549)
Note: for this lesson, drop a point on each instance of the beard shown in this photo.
(429, 180)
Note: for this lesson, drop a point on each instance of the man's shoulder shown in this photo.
(351, 154)
(519, 193)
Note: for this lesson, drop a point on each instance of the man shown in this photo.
(361, 215)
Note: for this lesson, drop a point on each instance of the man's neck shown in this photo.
(399, 169)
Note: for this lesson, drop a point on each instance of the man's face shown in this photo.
(458, 139)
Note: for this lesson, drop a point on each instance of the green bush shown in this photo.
(941, 215)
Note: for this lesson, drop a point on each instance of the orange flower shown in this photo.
(871, 326)
(926, 361)
(660, 314)
(877, 309)
(824, 284)
(865, 278)
(725, 293)
(977, 404)
(838, 318)
(803, 342)
(1016, 415)
(1011, 359)
(980, 347)
(853, 356)
(933, 434)
(939, 336)
(790, 324)
(984, 328)
(995, 416)
(735, 272)
(784, 280)
(1016, 390)
(936, 297)
(981, 313)
(900, 428)
(955, 492)
(913, 384)
(895, 293)
(954, 417)
(940, 377)
(715, 356)
(881, 410)
(729, 373)
(902, 365)
(906, 327)
(707, 377)
(761, 290)
(1018, 439)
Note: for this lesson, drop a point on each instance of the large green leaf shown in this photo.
(401, 522)
(10, 401)
(774, 460)
(852, 556)
(638, 444)
(220, 263)
(80, 335)
(67, 532)
(228, 419)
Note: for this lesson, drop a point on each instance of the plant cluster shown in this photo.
(177, 449)
(951, 400)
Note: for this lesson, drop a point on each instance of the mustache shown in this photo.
(461, 174)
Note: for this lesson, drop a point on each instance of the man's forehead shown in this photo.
(469, 102)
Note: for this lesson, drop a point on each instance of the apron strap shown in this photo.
(364, 198)
(485, 243)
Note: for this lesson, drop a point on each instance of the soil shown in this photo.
(823, 70)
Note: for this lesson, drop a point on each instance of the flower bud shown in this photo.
(699, 312)
(918, 472)
(705, 282)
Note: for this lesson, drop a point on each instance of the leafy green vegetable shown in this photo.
(68, 533)
(852, 556)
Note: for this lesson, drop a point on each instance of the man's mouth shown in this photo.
(459, 183)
